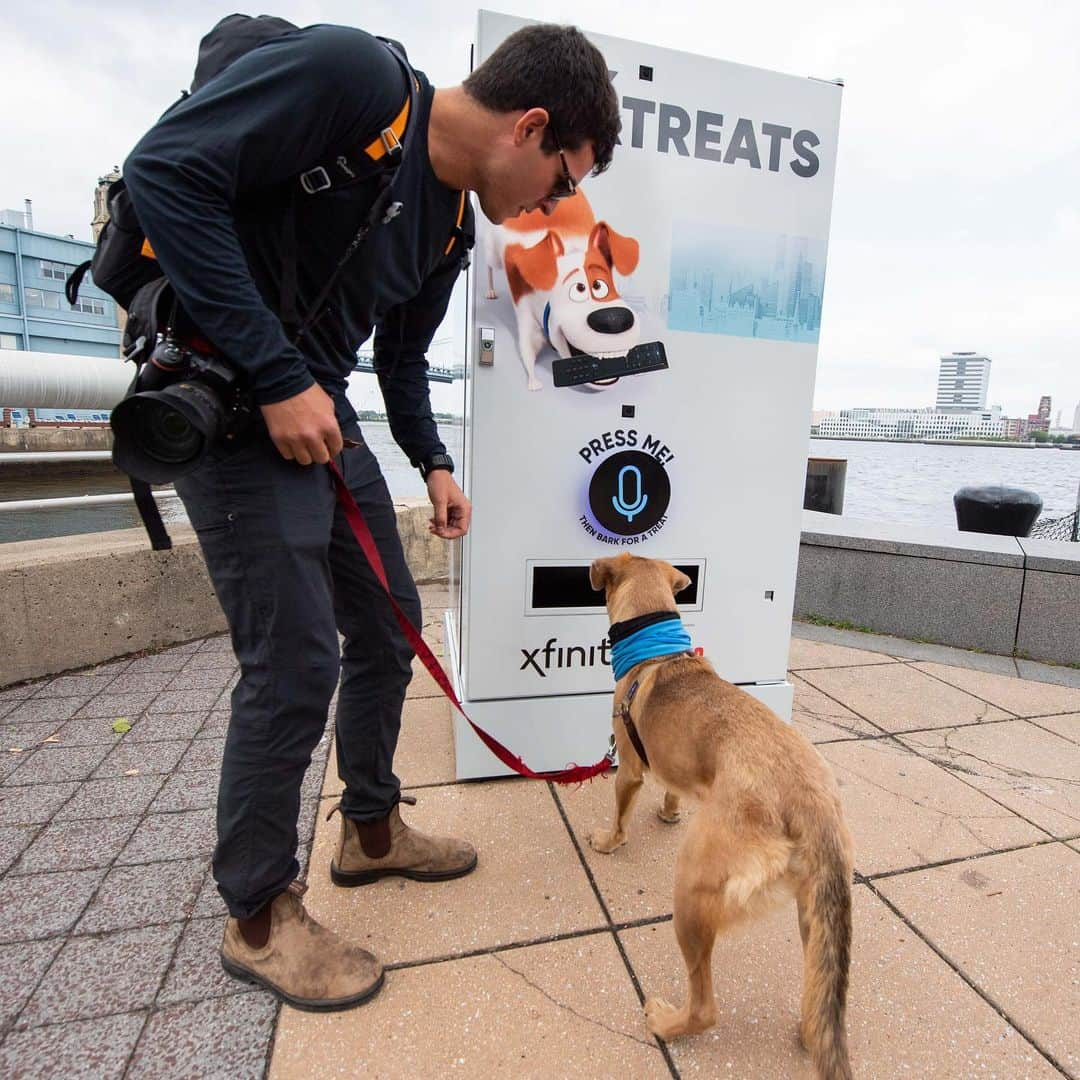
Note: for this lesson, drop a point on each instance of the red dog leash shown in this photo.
(573, 774)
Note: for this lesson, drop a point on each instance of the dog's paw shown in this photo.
(535, 384)
(492, 294)
(669, 816)
(606, 841)
(662, 1018)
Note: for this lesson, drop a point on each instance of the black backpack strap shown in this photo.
(151, 515)
(74, 281)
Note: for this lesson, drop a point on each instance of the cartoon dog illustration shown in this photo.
(559, 269)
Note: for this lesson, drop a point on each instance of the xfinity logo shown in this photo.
(552, 655)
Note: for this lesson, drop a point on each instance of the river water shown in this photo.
(911, 483)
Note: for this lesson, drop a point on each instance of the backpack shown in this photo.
(123, 264)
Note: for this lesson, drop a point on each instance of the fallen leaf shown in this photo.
(15, 750)
(52, 738)
(121, 725)
(132, 772)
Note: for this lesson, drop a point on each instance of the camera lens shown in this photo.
(163, 434)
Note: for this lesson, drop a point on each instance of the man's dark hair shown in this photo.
(558, 69)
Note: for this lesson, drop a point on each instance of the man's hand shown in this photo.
(304, 428)
(453, 511)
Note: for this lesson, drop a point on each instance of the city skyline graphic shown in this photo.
(745, 283)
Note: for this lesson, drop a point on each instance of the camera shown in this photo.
(182, 403)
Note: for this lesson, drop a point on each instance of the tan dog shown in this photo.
(769, 825)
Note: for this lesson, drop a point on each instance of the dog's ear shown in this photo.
(620, 252)
(530, 269)
(600, 573)
(678, 580)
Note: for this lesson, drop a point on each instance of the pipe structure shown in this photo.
(38, 380)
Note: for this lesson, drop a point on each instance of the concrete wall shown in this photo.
(80, 600)
(1000, 594)
(37, 440)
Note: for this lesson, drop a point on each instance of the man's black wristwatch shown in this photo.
(436, 461)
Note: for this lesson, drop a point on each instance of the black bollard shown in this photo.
(994, 508)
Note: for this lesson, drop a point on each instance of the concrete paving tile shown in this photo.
(1009, 922)
(140, 682)
(133, 896)
(54, 764)
(562, 1009)
(89, 731)
(26, 736)
(43, 905)
(526, 862)
(84, 686)
(112, 706)
(821, 719)
(819, 654)
(226, 1038)
(186, 835)
(187, 791)
(216, 725)
(34, 803)
(88, 1048)
(14, 839)
(37, 710)
(635, 880)
(163, 727)
(111, 798)
(21, 966)
(210, 905)
(217, 643)
(905, 811)
(20, 692)
(114, 667)
(1034, 772)
(909, 1013)
(1068, 727)
(184, 701)
(99, 975)
(201, 679)
(166, 661)
(11, 759)
(196, 972)
(202, 754)
(898, 697)
(425, 750)
(1022, 697)
(422, 684)
(76, 845)
(147, 757)
(212, 660)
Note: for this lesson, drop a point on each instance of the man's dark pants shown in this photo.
(289, 575)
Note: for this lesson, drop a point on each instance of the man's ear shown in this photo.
(619, 252)
(600, 573)
(534, 268)
(678, 580)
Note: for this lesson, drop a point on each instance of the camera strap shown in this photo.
(572, 774)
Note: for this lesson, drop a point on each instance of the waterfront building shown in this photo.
(913, 424)
(34, 312)
(963, 382)
(1076, 419)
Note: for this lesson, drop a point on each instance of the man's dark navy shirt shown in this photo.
(206, 183)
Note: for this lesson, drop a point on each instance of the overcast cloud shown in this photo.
(956, 220)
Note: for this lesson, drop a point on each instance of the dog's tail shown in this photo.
(827, 914)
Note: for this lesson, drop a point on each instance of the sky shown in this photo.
(956, 215)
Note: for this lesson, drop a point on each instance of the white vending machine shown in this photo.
(640, 378)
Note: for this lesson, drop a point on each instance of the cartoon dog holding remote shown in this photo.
(559, 269)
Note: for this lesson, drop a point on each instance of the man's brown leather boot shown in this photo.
(302, 962)
(373, 850)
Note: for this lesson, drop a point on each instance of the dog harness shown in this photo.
(646, 639)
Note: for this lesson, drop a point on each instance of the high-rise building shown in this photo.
(1076, 418)
(1044, 408)
(963, 382)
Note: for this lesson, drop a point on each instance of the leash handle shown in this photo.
(573, 774)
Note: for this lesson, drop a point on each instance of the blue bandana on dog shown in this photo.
(646, 637)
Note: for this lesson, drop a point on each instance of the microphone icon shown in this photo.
(625, 505)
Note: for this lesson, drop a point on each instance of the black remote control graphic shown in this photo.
(576, 370)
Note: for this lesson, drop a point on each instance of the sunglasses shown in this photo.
(564, 185)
